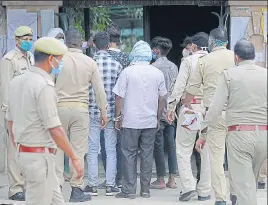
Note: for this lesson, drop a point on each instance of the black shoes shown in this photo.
(145, 194)
(204, 198)
(93, 190)
(220, 203)
(77, 195)
(188, 196)
(233, 199)
(261, 185)
(122, 195)
(20, 196)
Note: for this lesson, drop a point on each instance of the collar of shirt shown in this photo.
(76, 50)
(162, 58)
(115, 49)
(201, 52)
(140, 63)
(101, 54)
(218, 48)
(42, 73)
(246, 62)
(20, 54)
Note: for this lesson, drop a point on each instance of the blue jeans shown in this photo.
(165, 133)
(118, 178)
(93, 150)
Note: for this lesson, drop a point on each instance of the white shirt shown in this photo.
(140, 85)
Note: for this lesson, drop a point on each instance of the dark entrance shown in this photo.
(175, 22)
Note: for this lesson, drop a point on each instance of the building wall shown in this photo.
(253, 10)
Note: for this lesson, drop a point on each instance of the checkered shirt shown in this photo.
(109, 70)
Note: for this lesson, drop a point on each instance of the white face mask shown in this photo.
(185, 53)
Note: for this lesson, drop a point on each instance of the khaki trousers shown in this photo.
(42, 185)
(247, 151)
(185, 141)
(263, 172)
(14, 173)
(75, 121)
(216, 136)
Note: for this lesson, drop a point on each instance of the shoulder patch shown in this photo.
(10, 55)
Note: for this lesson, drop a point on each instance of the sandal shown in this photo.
(171, 185)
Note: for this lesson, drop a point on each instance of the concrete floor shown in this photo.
(158, 197)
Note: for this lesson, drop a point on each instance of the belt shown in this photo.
(37, 149)
(247, 127)
(196, 101)
(73, 104)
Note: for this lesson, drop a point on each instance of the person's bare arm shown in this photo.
(59, 136)
(161, 104)
(118, 112)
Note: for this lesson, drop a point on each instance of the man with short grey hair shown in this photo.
(244, 88)
(72, 85)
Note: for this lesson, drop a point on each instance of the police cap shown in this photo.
(23, 31)
(50, 46)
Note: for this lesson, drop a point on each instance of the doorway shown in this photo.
(177, 22)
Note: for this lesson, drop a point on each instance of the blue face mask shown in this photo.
(56, 71)
(154, 56)
(26, 45)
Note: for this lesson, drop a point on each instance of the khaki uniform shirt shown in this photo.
(78, 72)
(187, 67)
(14, 63)
(208, 72)
(244, 88)
(33, 108)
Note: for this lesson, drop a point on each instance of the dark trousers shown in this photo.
(118, 155)
(166, 133)
(131, 141)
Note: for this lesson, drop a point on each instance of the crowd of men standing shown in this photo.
(126, 104)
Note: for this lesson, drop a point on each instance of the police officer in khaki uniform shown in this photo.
(15, 63)
(35, 128)
(244, 88)
(185, 139)
(72, 86)
(208, 71)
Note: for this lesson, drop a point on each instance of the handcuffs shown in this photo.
(118, 119)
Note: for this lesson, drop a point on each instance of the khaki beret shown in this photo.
(51, 46)
(23, 31)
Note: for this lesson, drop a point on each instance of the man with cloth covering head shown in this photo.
(141, 88)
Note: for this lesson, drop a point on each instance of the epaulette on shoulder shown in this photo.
(10, 55)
